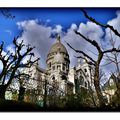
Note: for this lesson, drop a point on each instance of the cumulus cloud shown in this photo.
(90, 30)
(39, 36)
(110, 36)
(115, 22)
(93, 32)
(57, 29)
(74, 26)
(10, 48)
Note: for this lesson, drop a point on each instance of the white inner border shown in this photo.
(59, 3)
(60, 116)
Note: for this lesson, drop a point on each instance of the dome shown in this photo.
(59, 58)
(57, 52)
(58, 46)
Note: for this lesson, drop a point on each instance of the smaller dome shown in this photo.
(59, 58)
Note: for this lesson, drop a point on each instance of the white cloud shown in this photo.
(90, 30)
(115, 22)
(93, 32)
(109, 35)
(57, 29)
(74, 26)
(26, 23)
(37, 35)
(3, 53)
(1, 66)
(10, 48)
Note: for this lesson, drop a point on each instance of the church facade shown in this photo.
(59, 79)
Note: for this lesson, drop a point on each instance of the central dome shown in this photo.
(59, 58)
(58, 46)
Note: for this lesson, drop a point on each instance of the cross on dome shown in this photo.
(58, 38)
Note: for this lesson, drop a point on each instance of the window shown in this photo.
(58, 67)
(64, 77)
(63, 68)
(85, 84)
(80, 73)
(81, 80)
(78, 83)
(53, 78)
(68, 65)
(50, 64)
(85, 70)
(51, 91)
(53, 67)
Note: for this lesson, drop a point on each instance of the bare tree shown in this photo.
(12, 62)
(7, 13)
(114, 58)
(100, 56)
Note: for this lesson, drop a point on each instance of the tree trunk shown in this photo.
(45, 94)
(97, 86)
(21, 93)
(2, 91)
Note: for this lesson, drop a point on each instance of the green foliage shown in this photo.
(82, 99)
(115, 100)
(110, 87)
(15, 95)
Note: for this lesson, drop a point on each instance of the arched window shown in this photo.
(78, 83)
(51, 92)
(58, 67)
(50, 64)
(81, 80)
(85, 70)
(85, 84)
(53, 78)
(63, 68)
(64, 77)
(53, 67)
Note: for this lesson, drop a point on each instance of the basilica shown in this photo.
(59, 79)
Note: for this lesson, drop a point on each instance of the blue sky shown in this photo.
(32, 23)
(62, 16)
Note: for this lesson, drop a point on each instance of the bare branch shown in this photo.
(78, 51)
(102, 25)
(89, 62)
(7, 13)
(92, 42)
(111, 50)
(107, 63)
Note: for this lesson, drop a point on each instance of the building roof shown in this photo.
(58, 46)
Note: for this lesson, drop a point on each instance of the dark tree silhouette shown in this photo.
(7, 14)
(12, 62)
(100, 56)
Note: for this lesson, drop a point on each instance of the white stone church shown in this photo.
(59, 78)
